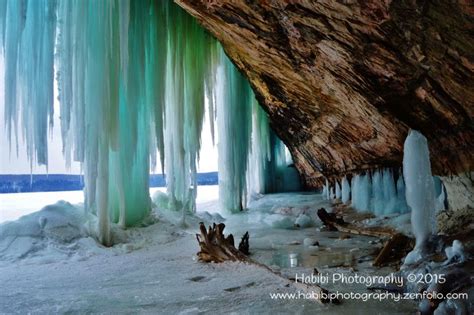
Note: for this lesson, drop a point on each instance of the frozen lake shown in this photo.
(13, 206)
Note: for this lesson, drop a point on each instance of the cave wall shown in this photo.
(343, 81)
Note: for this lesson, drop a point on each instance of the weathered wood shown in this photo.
(337, 224)
(244, 244)
(394, 248)
(215, 247)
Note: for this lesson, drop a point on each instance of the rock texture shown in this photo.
(343, 81)
(459, 191)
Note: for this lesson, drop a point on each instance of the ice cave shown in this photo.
(231, 156)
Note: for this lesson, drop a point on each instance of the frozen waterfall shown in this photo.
(133, 79)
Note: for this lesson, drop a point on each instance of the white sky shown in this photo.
(10, 163)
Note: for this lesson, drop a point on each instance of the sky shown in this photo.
(10, 163)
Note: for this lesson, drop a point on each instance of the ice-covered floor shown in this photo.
(153, 269)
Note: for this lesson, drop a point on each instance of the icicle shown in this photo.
(189, 68)
(355, 191)
(345, 190)
(420, 194)
(65, 72)
(361, 192)
(36, 68)
(3, 15)
(260, 154)
(133, 77)
(324, 193)
(13, 21)
(401, 200)
(378, 201)
(338, 190)
(234, 123)
(389, 192)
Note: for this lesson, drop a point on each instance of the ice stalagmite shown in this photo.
(419, 191)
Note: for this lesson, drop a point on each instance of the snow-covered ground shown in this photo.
(49, 264)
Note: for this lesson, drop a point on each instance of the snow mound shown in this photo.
(280, 221)
(55, 229)
(304, 221)
(166, 212)
(287, 210)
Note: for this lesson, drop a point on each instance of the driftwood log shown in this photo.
(335, 223)
(394, 248)
(215, 247)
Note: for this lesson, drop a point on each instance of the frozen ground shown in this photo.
(56, 268)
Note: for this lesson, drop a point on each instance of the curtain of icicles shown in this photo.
(133, 79)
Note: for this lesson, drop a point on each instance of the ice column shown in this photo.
(338, 190)
(234, 122)
(345, 190)
(419, 191)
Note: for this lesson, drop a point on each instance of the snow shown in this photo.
(153, 268)
(455, 252)
(47, 233)
(304, 221)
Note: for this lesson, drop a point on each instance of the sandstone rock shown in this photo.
(459, 190)
(343, 81)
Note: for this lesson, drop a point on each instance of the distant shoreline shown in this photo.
(62, 182)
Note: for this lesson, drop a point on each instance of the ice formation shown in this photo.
(420, 192)
(380, 191)
(269, 163)
(234, 110)
(455, 252)
(338, 191)
(133, 79)
(386, 191)
(345, 190)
